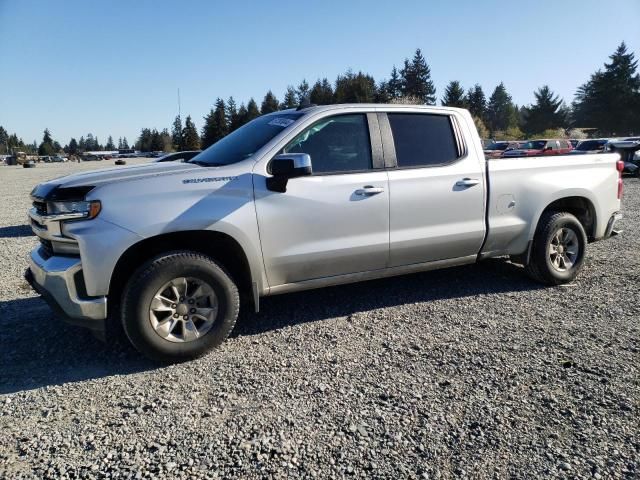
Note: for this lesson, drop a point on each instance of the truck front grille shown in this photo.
(47, 248)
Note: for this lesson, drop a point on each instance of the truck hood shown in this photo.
(113, 175)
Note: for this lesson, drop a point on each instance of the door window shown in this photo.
(336, 144)
(423, 140)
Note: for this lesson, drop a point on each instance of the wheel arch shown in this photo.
(579, 206)
(220, 246)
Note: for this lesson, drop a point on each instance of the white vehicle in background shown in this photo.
(59, 159)
(302, 199)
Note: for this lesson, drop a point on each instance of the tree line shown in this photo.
(608, 103)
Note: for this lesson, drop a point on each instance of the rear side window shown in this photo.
(423, 140)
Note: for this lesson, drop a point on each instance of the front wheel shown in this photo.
(178, 306)
(558, 249)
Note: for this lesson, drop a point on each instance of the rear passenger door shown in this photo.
(436, 188)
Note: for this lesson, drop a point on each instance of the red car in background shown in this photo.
(496, 149)
(532, 148)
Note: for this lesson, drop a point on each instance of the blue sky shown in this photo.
(113, 67)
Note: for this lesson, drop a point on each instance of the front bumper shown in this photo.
(59, 280)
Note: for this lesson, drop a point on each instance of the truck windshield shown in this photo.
(245, 141)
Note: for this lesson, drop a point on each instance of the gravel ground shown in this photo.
(469, 372)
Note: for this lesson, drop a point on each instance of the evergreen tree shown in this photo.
(110, 145)
(176, 134)
(321, 92)
(610, 100)
(125, 144)
(454, 95)
(215, 125)
(166, 140)
(46, 146)
(394, 85)
(355, 88)
(302, 92)
(82, 144)
(382, 93)
(269, 104)
(545, 114)
(72, 148)
(477, 102)
(252, 110)
(232, 113)
(242, 116)
(501, 112)
(416, 79)
(119, 143)
(190, 135)
(290, 98)
(156, 143)
(4, 141)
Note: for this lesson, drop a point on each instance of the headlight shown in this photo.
(77, 209)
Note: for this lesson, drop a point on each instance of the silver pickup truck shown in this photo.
(302, 199)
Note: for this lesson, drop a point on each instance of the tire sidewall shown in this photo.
(571, 222)
(150, 278)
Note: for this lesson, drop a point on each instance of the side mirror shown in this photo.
(286, 166)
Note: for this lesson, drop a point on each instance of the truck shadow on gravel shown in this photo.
(15, 231)
(487, 277)
(38, 350)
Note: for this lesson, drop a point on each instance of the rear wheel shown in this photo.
(558, 249)
(179, 306)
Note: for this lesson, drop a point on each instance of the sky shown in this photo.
(113, 67)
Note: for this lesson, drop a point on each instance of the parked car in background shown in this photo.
(574, 142)
(629, 150)
(595, 145)
(540, 147)
(495, 149)
(182, 156)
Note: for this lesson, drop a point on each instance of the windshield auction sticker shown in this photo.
(281, 122)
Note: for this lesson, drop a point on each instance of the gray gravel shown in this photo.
(468, 372)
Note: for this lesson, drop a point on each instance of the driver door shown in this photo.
(335, 221)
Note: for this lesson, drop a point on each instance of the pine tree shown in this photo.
(215, 125)
(501, 112)
(269, 104)
(242, 116)
(302, 92)
(416, 79)
(545, 114)
(610, 100)
(355, 88)
(477, 102)
(321, 92)
(394, 85)
(176, 134)
(454, 95)
(110, 145)
(252, 110)
(290, 98)
(46, 146)
(125, 144)
(73, 147)
(233, 116)
(190, 135)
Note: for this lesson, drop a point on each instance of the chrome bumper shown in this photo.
(55, 278)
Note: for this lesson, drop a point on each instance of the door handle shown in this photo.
(467, 182)
(368, 190)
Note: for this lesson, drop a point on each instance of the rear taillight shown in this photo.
(620, 168)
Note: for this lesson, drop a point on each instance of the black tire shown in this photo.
(540, 266)
(142, 287)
